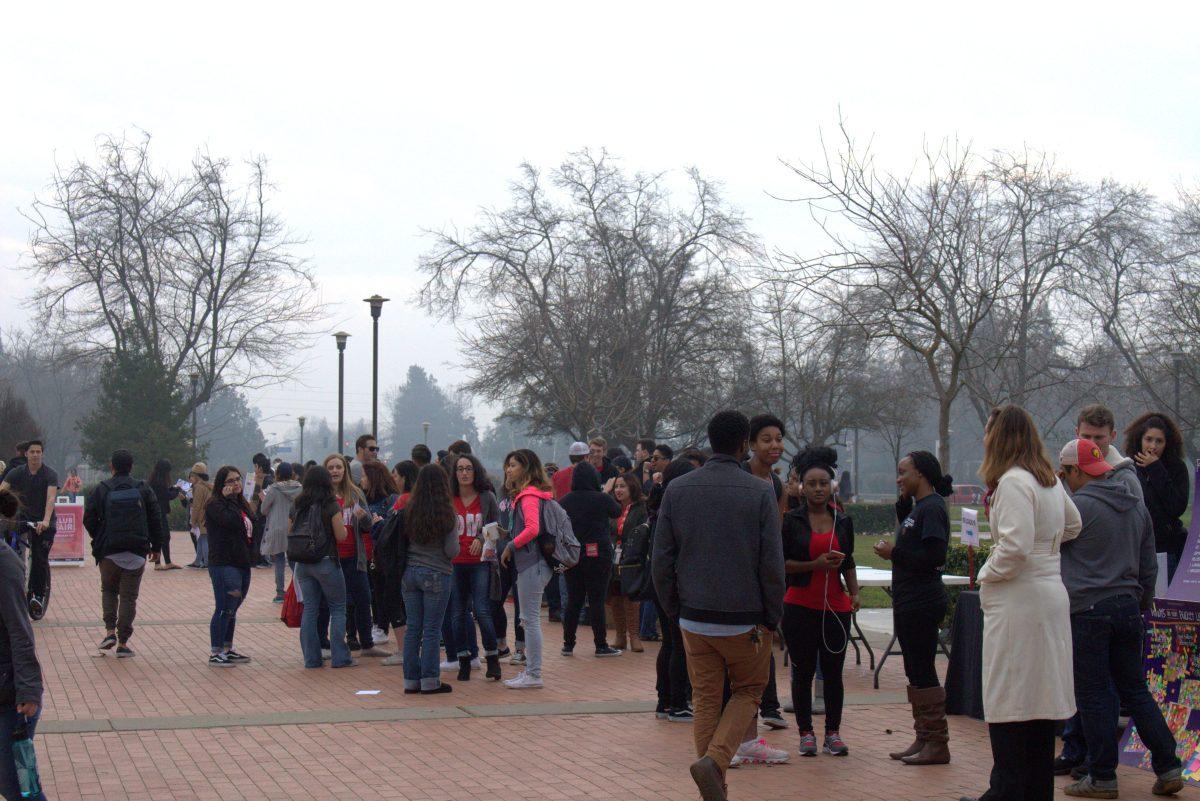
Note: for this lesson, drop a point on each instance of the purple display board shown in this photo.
(1173, 676)
(1186, 584)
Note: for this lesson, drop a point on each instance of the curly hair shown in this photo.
(430, 513)
(820, 456)
(1138, 428)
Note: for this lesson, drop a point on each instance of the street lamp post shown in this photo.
(426, 427)
(300, 420)
(341, 337)
(376, 309)
(195, 377)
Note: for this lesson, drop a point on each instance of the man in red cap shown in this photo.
(1109, 572)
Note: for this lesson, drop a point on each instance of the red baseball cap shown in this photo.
(1085, 455)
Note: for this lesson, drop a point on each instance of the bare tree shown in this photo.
(593, 303)
(922, 265)
(190, 269)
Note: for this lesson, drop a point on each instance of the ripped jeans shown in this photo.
(230, 585)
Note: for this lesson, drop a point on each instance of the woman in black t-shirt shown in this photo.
(919, 598)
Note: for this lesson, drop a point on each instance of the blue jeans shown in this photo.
(1108, 642)
(426, 595)
(448, 638)
(202, 550)
(532, 582)
(10, 789)
(230, 585)
(322, 584)
(471, 584)
(648, 621)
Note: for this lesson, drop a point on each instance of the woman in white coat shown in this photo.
(1027, 659)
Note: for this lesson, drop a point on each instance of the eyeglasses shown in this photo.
(373, 448)
(464, 469)
(232, 482)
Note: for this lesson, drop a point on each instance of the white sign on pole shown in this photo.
(970, 527)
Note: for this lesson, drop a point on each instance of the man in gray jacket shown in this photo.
(1109, 572)
(718, 567)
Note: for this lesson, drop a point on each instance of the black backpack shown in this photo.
(636, 581)
(125, 525)
(309, 541)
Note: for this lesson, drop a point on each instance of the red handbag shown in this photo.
(293, 609)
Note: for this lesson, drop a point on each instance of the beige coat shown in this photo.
(201, 492)
(1027, 664)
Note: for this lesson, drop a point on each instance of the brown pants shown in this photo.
(748, 666)
(119, 585)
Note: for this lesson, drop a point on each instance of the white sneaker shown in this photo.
(475, 664)
(393, 660)
(326, 653)
(449, 667)
(524, 682)
(757, 752)
(378, 634)
(517, 659)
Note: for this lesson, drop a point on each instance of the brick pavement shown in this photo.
(166, 726)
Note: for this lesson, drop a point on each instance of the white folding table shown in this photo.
(875, 577)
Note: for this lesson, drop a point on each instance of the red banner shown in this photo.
(68, 545)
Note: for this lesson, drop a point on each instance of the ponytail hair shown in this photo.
(928, 465)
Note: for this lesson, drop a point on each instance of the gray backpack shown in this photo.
(557, 537)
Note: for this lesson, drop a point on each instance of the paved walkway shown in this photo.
(166, 726)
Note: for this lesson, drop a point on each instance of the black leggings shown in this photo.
(166, 541)
(812, 635)
(917, 631)
(671, 666)
(588, 578)
(508, 582)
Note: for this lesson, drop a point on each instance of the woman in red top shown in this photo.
(626, 612)
(818, 547)
(476, 506)
(352, 553)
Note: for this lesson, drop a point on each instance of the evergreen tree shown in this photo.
(138, 409)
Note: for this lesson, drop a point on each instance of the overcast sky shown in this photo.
(381, 121)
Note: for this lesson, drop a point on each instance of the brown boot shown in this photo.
(931, 721)
(919, 742)
(618, 615)
(633, 621)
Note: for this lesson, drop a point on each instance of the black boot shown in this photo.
(464, 668)
(493, 668)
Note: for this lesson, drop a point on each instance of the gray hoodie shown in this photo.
(1114, 552)
(277, 503)
(1125, 470)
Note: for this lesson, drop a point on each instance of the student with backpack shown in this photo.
(527, 479)
(123, 520)
(591, 512)
(317, 528)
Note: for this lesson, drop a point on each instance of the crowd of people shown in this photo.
(726, 553)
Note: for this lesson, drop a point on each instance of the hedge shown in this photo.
(957, 564)
(872, 518)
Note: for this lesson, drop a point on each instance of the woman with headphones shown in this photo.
(818, 548)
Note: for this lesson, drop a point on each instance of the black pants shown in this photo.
(917, 629)
(814, 635)
(588, 578)
(378, 611)
(39, 564)
(671, 666)
(553, 596)
(508, 583)
(166, 540)
(1022, 761)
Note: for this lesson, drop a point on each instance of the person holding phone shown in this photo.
(818, 548)
(919, 600)
(1156, 446)
(228, 520)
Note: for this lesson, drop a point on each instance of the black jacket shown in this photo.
(93, 517)
(1165, 490)
(20, 673)
(591, 511)
(227, 541)
(797, 539)
(637, 515)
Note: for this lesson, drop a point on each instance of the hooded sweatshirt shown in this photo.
(277, 503)
(1124, 470)
(591, 512)
(1114, 552)
(527, 524)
